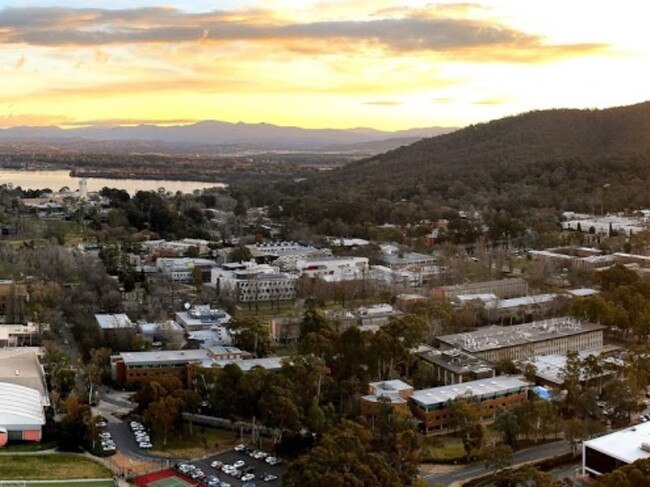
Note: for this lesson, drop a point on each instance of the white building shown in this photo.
(335, 269)
(608, 452)
(114, 322)
(252, 282)
(284, 255)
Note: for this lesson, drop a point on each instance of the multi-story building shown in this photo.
(113, 324)
(334, 269)
(430, 406)
(28, 335)
(250, 282)
(132, 367)
(285, 255)
(454, 366)
(183, 269)
(556, 335)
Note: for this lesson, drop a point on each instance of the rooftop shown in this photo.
(21, 366)
(625, 444)
(268, 363)
(476, 388)
(494, 337)
(20, 405)
(114, 322)
(456, 360)
(165, 357)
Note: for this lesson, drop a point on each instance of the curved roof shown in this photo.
(20, 405)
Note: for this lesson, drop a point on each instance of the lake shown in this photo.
(55, 180)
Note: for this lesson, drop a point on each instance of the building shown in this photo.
(13, 301)
(166, 331)
(603, 225)
(285, 255)
(131, 367)
(549, 369)
(83, 189)
(394, 393)
(114, 323)
(556, 335)
(28, 335)
(23, 395)
(582, 258)
(183, 269)
(376, 315)
(501, 288)
(202, 318)
(454, 366)
(606, 453)
(251, 282)
(334, 269)
(429, 406)
(272, 364)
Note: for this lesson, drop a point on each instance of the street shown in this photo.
(476, 469)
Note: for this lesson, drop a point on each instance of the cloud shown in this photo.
(410, 31)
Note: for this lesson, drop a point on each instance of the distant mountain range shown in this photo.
(222, 137)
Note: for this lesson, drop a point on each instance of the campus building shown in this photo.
(556, 335)
(202, 317)
(334, 269)
(606, 453)
(430, 406)
(454, 366)
(501, 288)
(394, 393)
(250, 282)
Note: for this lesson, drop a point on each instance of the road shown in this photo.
(570, 471)
(477, 469)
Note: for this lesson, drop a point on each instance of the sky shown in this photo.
(326, 63)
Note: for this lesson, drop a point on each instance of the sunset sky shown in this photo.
(330, 63)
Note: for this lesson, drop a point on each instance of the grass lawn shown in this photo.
(29, 446)
(67, 483)
(51, 467)
(442, 449)
(204, 440)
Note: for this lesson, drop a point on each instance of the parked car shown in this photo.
(240, 448)
(217, 464)
(248, 477)
(239, 464)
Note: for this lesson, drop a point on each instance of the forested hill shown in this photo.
(555, 159)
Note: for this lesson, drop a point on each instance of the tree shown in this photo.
(343, 457)
(74, 423)
(240, 254)
(94, 369)
(164, 416)
(574, 432)
(635, 475)
(464, 418)
(496, 457)
(252, 335)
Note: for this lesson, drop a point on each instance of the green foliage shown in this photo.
(635, 475)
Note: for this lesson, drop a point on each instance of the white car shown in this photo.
(239, 464)
(145, 445)
(240, 447)
(248, 477)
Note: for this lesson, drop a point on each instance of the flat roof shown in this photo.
(268, 363)
(21, 366)
(391, 385)
(165, 357)
(625, 444)
(495, 337)
(525, 301)
(456, 360)
(114, 322)
(475, 388)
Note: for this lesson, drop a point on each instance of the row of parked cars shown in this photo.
(197, 474)
(141, 435)
(258, 454)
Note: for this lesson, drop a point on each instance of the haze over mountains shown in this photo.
(221, 136)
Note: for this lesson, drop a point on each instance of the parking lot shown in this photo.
(230, 457)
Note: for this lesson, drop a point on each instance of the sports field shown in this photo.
(170, 482)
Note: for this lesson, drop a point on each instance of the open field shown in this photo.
(51, 467)
(203, 440)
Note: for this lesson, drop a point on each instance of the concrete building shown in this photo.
(557, 335)
(250, 282)
(182, 269)
(454, 366)
(602, 225)
(429, 406)
(335, 269)
(28, 335)
(83, 189)
(166, 331)
(285, 255)
(501, 288)
(606, 453)
(202, 317)
(115, 323)
(23, 395)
